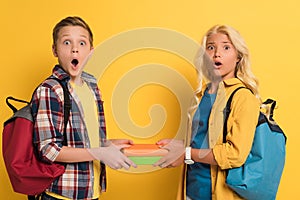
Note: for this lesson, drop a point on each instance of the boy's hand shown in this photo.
(122, 142)
(112, 156)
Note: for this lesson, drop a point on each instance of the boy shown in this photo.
(85, 132)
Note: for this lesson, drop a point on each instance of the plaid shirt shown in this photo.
(47, 108)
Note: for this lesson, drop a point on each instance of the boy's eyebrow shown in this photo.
(84, 36)
(66, 35)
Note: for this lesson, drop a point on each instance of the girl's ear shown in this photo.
(54, 50)
(239, 58)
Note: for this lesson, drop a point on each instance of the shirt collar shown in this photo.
(60, 73)
(231, 82)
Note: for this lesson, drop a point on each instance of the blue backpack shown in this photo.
(258, 178)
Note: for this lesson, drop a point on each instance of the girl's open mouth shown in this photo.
(218, 63)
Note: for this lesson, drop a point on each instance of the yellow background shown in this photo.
(270, 28)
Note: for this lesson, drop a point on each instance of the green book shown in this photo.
(144, 160)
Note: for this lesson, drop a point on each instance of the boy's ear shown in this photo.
(54, 50)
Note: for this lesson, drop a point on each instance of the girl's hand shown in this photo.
(175, 156)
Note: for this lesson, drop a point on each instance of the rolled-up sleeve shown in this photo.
(47, 108)
(241, 125)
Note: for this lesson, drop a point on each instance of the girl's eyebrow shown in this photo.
(225, 42)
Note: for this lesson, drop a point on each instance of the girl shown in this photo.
(223, 60)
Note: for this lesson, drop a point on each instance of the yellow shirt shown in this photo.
(241, 126)
(90, 116)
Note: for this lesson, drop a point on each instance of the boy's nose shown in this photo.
(74, 49)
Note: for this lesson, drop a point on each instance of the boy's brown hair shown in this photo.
(71, 21)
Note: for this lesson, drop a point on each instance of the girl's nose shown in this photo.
(217, 53)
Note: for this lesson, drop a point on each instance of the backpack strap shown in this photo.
(273, 105)
(227, 111)
(14, 109)
(67, 106)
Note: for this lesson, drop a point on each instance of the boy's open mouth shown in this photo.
(74, 62)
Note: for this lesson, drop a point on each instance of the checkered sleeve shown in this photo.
(47, 110)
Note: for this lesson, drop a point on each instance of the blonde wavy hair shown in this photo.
(204, 66)
(242, 71)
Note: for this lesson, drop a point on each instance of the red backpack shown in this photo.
(27, 174)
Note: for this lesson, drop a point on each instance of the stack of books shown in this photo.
(144, 154)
